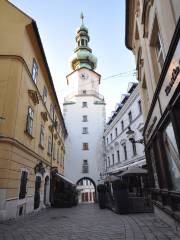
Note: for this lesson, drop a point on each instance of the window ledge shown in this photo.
(28, 134)
(41, 146)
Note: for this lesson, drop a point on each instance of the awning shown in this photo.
(111, 178)
(124, 168)
(64, 178)
(134, 170)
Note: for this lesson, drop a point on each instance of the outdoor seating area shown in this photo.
(127, 192)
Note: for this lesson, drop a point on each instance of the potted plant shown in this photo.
(101, 188)
(120, 193)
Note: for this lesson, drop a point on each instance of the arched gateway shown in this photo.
(86, 190)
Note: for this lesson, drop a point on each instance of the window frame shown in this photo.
(84, 118)
(122, 125)
(84, 104)
(29, 121)
(85, 130)
(85, 166)
(45, 94)
(85, 146)
(130, 117)
(34, 71)
(42, 136)
(49, 145)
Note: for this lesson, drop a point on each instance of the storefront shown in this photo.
(162, 134)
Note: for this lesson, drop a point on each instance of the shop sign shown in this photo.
(155, 117)
(171, 80)
(174, 76)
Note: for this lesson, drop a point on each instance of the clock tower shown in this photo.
(84, 113)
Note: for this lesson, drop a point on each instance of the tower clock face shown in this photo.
(84, 76)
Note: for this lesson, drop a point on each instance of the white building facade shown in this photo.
(84, 114)
(120, 153)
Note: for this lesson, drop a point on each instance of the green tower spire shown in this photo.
(83, 56)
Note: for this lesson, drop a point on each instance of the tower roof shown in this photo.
(83, 56)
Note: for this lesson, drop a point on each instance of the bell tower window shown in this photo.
(82, 42)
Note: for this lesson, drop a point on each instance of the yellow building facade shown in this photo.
(32, 129)
(152, 34)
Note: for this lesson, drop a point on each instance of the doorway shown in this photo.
(37, 192)
(46, 191)
(86, 190)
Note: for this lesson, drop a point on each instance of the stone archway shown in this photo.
(87, 192)
(46, 191)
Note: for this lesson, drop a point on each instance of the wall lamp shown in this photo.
(130, 134)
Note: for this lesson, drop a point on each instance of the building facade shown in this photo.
(152, 33)
(120, 153)
(32, 129)
(84, 114)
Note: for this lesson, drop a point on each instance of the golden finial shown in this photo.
(82, 17)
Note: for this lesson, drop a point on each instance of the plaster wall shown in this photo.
(73, 114)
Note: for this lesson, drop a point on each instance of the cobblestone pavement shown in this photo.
(86, 222)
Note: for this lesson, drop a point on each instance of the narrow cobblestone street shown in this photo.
(86, 222)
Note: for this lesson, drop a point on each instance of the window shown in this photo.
(122, 125)
(140, 107)
(145, 96)
(34, 71)
(109, 162)
(130, 116)
(105, 164)
(85, 130)
(118, 156)
(157, 53)
(84, 91)
(159, 50)
(173, 156)
(82, 42)
(49, 145)
(85, 118)
(85, 146)
(54, 152)
(116, 132)
(111, 137)
(22, 192)
(113, 159)
(85, 168)
(107, 140)
(125, 151)
(134, 149)
(84, 104)
(58, 155)
(52, 111)
(41, 140)
(45, 94)
(29, 124)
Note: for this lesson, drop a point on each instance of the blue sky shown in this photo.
(57, 21)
